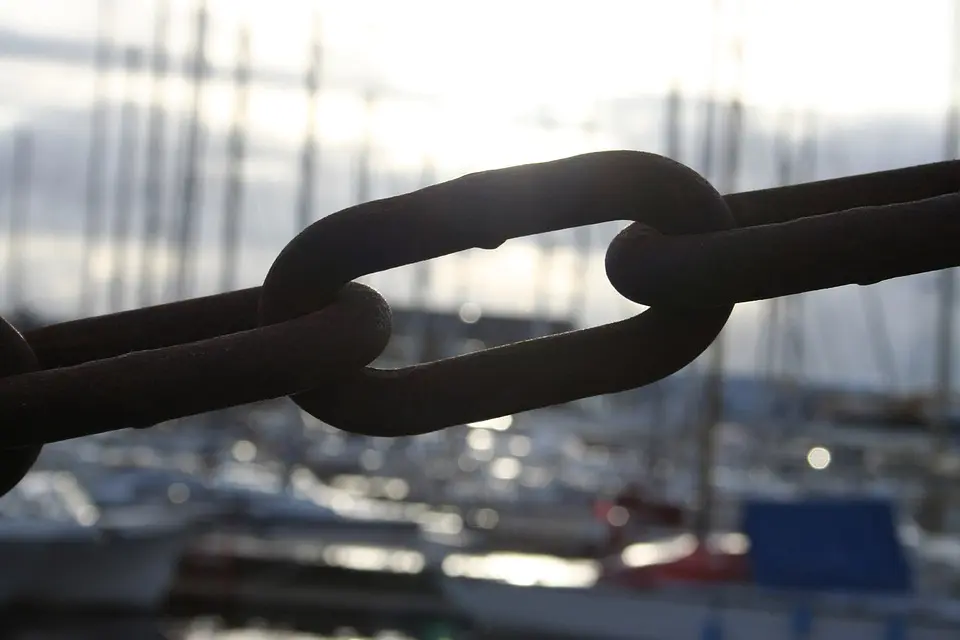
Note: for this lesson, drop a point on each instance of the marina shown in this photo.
(796, 481)
(238, 542)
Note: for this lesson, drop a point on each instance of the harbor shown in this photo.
(152, 529)
(796, 481)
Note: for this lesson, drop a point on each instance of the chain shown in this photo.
(310, 332)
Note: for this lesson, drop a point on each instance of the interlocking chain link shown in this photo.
(484, 210)
(309, 332)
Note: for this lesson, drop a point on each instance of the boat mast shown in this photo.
(94, 212)
(583, 236)
(305, 197)
(713, 387)
(726, 183)
(546, 247)
(785, 159)
(365, 151)
(236, 153)
(673, 142)
(186, 226)
(931, 515)
(673, 149)
(794, 306)
(796, 162)
(422, 285)
(153, 196)
(21, 188)
(124, 183)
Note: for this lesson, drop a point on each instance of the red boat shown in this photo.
(700, 566)
(631, 513)
(628, 513)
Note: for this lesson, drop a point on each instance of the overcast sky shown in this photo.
(463, 84)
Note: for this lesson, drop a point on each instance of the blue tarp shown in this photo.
(826, 544)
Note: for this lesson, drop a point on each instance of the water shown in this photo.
(198, 629)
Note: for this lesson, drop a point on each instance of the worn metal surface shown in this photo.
(16, 356)
(858, 246)
(692, 255)
(484, 210)
(142, 388)
(852, 230)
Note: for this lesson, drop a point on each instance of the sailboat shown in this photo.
(702, 561)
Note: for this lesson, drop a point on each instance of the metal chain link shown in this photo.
(309, 332)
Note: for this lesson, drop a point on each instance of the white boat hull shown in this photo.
(128, 570)
(82, 569)
(540, 612)
(20, 560)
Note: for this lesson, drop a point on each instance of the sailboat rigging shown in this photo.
(124, 182)
(154, 170)
(236, 155)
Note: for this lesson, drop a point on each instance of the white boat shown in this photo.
(126, 568)
(55, 552)
(24, 549)
(498, 611)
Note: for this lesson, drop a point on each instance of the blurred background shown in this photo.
(160, 150)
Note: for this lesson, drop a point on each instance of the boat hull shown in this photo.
(129, 570)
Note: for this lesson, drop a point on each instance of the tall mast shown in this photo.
(794, 309)
(807, 169)
(156, 125)
(236, 150)
(713, 405)
(126, 172)
(186, 228)
(583, 236)
(422, 284)
(305, 199)
(786, 327)
(934, 503)
(365, 152)
(674, 109)
(94, 210)
(656, 423)
(547, 246)
(364, 182)
(21, 188)
(710, 115)
(784, 158)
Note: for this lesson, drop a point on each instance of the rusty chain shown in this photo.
(310, 333)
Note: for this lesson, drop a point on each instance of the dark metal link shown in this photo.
(70, 343)
(143, 388)
(159, 326)
(893, 186)
(860, 246)
(141, 367)
(852, 230)
(484, 210)
(16, 356)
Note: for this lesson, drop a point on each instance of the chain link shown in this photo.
(144, 387)
(309, 332)
(16, 356)
(484, 210)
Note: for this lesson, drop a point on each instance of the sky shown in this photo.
(468, 86)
